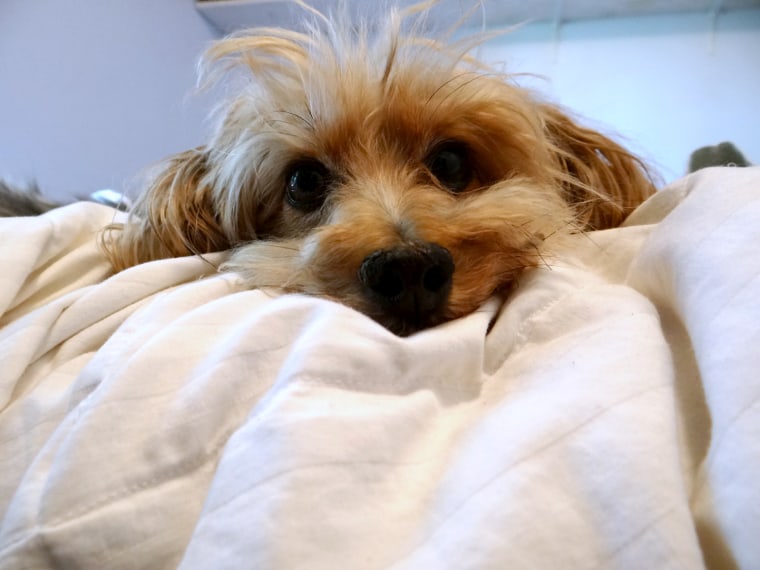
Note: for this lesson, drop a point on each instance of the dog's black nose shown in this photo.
(410, 282)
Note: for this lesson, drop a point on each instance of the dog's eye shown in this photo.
(307, 185)
(450, 164)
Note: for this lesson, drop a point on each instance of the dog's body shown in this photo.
(388, 172)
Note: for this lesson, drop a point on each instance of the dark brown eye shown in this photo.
(307, 185)
(451, 165)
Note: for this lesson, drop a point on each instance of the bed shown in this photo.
(606, 416)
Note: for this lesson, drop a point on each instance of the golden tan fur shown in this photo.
(371, 108)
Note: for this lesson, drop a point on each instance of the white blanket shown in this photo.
(609, 418)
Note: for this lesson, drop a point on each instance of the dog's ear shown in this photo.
(601, 180)
(173, 217)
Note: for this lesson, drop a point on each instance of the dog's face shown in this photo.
(411, 200)
(396, 176)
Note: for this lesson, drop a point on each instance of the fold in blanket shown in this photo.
(605, 416)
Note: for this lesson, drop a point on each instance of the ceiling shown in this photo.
(229, 15)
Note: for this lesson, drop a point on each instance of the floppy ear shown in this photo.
(600, 179)
(174, 217)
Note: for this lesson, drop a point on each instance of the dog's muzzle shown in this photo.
(410, 284)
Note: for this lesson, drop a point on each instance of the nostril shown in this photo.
(380, 273)
(389, 283)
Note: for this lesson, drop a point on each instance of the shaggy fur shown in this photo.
(362, 124)
(22, 202)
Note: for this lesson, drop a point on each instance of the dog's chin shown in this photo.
(402, 319)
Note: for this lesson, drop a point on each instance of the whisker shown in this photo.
(447, 82)
(457, 88)
(309, 124)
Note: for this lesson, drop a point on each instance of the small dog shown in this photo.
(381, 169)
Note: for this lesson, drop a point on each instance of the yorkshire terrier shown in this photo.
(381, 169)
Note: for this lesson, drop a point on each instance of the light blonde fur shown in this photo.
(371, 107)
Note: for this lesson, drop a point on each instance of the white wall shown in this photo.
(668, 84)
(92, 91)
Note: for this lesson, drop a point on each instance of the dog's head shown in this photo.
(390, 172)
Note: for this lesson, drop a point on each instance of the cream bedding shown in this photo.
(606, 416)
